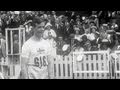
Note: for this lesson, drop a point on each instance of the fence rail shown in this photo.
(95, 65)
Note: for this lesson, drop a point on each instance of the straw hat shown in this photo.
(94, 27)
(48, 24)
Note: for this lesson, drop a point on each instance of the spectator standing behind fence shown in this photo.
(77, 35)
(60, 43)
(15, 49)
(104, 38)
(50, 35)
(2, 46)
(2, 49)
(93, 38)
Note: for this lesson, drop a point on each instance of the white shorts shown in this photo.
(37, 73)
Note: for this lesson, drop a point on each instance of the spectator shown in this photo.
(2, 46)
(50, 35)
(15, 44)
(2, 49)
(77, 35)
(60, 44)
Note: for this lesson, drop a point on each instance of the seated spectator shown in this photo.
(77, 36)
(60, 44)
(49, 33)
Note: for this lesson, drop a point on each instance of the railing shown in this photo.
(11, 64)
(62, 67)
(94, 65)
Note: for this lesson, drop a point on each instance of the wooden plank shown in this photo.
(79, 65)
(13, 29)
(105, 65)
(89, 66)
(71, 66)
(11, 70)
(52, 74)
(11, 37)
(102, 66)
(66, 67)
(80, 69)
(82, 66)
(118, 69)
(61, 68)
(6, 33)
(85, 69)
(78, 75)
(61, 62)
(94, 66)
(117, 65)
(98, 65)
(57, 69)
(54, 70)
(19, 40)
(24, 39)
(74, 66)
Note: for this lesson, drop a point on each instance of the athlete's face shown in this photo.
(48, 27)
(39, 29)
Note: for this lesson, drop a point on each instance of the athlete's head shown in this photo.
(48, 26)
(38, 25)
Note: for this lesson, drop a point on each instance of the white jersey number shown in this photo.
(40, 61)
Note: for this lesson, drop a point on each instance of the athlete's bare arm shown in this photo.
(24, 61)
(24, 69)
(49, 67)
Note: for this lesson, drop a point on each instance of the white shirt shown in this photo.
(78, 37)
(37, 53)
(53, 46)
(51, 31)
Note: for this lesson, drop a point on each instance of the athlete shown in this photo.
(35, 53)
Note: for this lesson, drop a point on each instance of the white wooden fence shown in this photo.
(12, 61)
(62, 67)
(95, 65)
(117, 65)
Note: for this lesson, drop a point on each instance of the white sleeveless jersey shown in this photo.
(37, 53)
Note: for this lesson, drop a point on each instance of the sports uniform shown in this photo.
(36, 52)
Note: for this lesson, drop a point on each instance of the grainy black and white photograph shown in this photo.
(60, 44)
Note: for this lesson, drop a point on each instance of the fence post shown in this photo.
(21, 40)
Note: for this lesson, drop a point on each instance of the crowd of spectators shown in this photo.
(91, 31)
